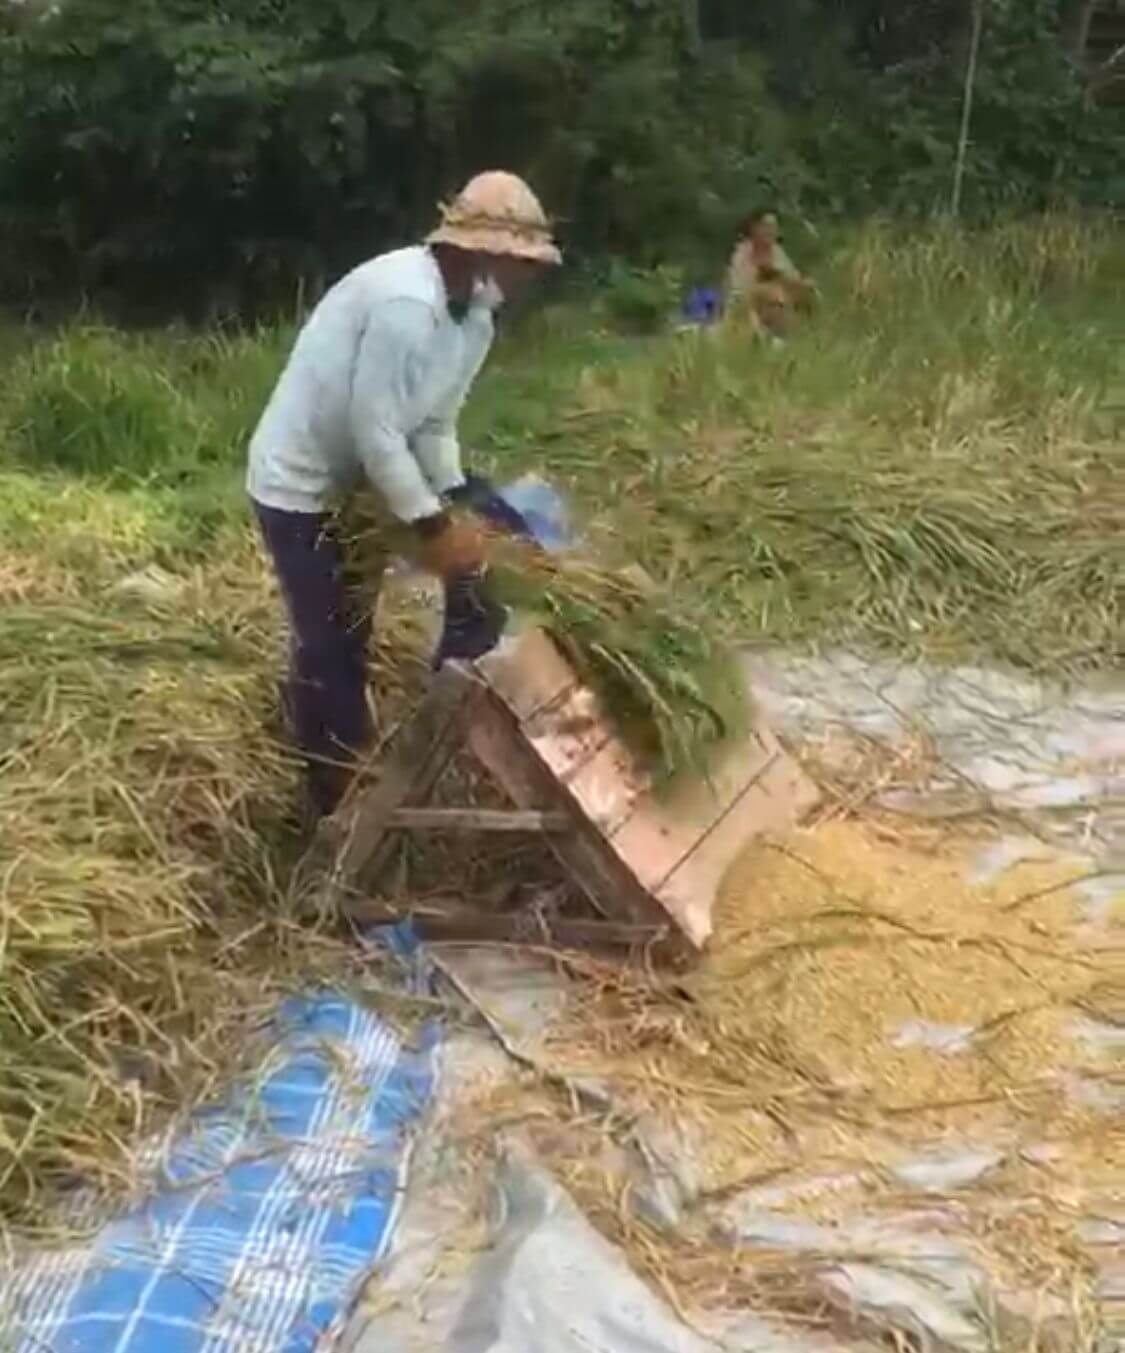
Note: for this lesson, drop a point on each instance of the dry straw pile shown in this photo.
(143, 839)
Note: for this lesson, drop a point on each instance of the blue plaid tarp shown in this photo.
(269, 1214)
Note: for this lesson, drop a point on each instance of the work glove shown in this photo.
(474, 620)
(477, 494)
(449, 546)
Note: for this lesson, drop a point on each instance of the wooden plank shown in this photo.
(664, 829)
(567, 724)
(771, 802)
(567, 736)
(418, 755)
(476, 820)
(528, 673)
(609, 786)
(450, 920)
(613, 889)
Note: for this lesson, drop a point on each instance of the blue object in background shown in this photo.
(543, 509)
(702, 305)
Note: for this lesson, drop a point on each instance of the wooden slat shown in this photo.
(417, 757)
(528, 673)
(476, 820)
(668, 826)
(495, 737)
(569, 733)
(450, 920)
(609, 786)
(664, 828)
(778, 795)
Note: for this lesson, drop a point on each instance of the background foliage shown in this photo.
(252, 143)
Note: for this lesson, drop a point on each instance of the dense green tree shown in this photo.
(188, 154)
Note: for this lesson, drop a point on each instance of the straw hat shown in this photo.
(497, 213)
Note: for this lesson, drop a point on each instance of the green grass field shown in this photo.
(932, 467)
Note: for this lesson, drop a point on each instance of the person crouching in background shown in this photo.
(763, 284)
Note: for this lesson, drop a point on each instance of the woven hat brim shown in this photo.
(499, 240)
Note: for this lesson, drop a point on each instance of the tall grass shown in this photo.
(125, 408)
(932, 465)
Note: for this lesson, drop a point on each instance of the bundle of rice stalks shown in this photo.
(674, 691)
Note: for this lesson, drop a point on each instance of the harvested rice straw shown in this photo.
(676, 694)
(143, 844)
(856, 994)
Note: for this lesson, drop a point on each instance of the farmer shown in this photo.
(372, 390)
(762, 281)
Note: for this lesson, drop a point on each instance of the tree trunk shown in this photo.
(1074, 27)
(693, 29)
(967, 108)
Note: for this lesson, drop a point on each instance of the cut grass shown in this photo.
(676, 693)
(146, 934)
(932, 466)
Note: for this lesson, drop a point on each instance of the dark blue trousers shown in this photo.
(330, 629)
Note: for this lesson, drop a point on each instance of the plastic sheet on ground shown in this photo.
(495, 1256)
(492, 1254)
(264, 1216)
(1051, 756)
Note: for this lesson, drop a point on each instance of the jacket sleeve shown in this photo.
(384, 375)
(435, 442)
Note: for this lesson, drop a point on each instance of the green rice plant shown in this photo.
(638, 301)
(229, 377)
(94, 403)
(674, 691)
